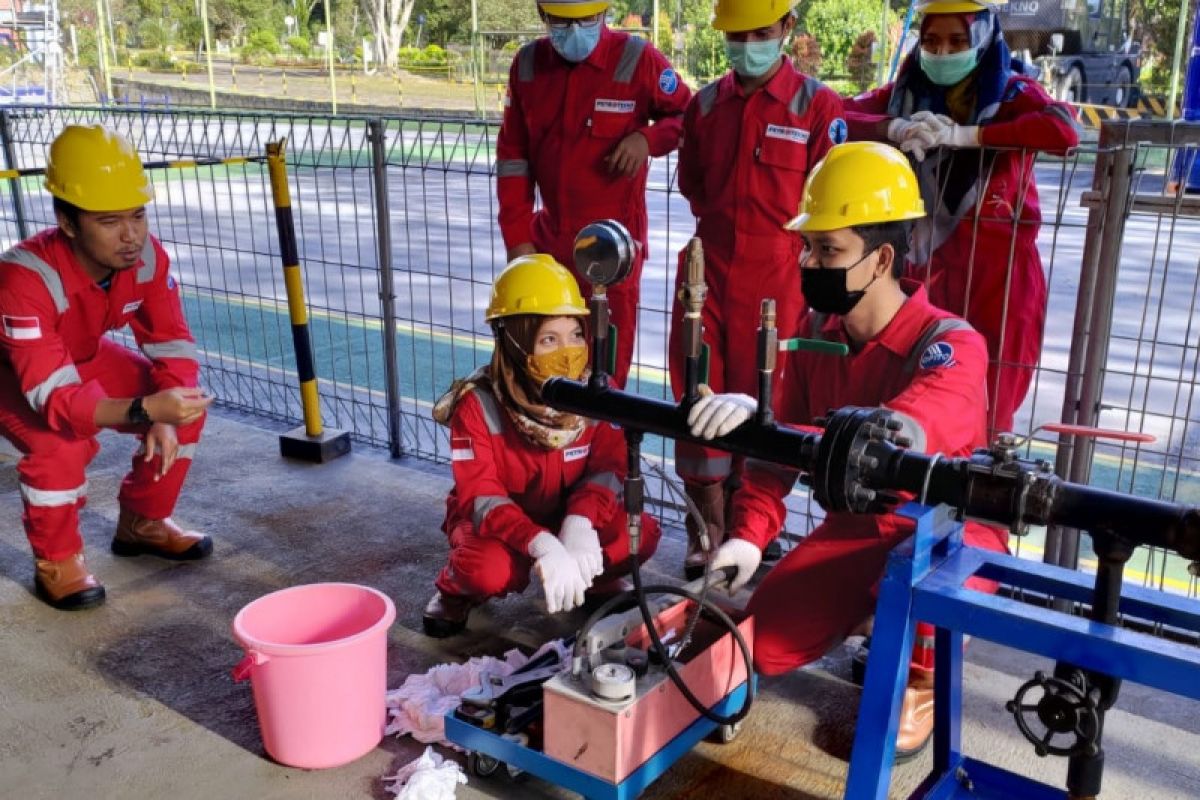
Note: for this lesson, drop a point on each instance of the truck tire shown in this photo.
(1124, 93)
(1072, 87)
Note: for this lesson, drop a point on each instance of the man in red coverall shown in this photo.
(61, 379)
(577, 126)
(974, 121)
(750, 139)
(923, 364)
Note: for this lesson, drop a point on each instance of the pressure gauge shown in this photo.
(604, 252)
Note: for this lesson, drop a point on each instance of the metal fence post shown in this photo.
(387, 293)
(14, 184)
(1093, 322)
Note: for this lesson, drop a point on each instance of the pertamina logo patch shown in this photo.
(461, 448)
(838, 131)
(938, 354)
(615, 106)
(797, 135)
(576, 453)
(668, 81)
(23, 328)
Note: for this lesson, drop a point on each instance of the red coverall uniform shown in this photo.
(56, 365)
(742, 166)
(506, 491)
(928, 367)
(964, 253)
(561, 120)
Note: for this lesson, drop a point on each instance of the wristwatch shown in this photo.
(137, 413)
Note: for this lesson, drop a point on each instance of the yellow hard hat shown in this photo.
(93, 168)
(749, 15)
(958, 6)
(574, 9)
(535, 284)
(859, 183)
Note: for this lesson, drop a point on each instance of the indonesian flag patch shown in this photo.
(22, 327)
(461, 448)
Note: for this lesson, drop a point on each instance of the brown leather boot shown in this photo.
(446, 614)
(710, 500)
(158, 537)
(916, 715)
(67, 584)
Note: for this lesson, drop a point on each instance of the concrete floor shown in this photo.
(134, 700)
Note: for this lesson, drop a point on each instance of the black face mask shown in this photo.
(825, 288)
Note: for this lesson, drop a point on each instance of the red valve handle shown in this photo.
(1099, 433)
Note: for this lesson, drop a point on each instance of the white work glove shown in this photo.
(741, 554)
(718, 414)
(562, 582)
(958, 136)
(583, 543)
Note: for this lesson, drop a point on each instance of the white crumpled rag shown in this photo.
(430, 777)
(421, 702)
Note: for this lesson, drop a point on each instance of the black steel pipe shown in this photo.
(857, 460)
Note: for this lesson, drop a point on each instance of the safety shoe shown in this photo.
(446, 614)
(157, 537)
(67, 584)
(916, 715)
(710, 501)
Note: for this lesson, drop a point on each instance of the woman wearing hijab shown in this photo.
(535, 490)
(963, 108)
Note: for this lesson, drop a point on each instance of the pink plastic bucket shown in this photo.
(316, 657)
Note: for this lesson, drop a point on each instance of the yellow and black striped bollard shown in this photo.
(311, 441)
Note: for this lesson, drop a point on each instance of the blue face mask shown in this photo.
(949, 69)
(575, 42)
(753, 59)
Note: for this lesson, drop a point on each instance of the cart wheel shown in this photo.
(482, 765)
(724, 734)
(516, 774)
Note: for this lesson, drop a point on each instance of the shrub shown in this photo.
(806, 52)
(155, 60)
(859, 63)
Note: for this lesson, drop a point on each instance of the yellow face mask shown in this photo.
(565, 362)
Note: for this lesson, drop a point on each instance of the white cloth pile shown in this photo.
(430, 777)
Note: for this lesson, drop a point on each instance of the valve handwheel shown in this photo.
(1064, 709)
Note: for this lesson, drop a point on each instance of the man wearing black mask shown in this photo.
(925, 365)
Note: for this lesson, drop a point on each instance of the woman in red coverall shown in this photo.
(534, 489)
(959, 95)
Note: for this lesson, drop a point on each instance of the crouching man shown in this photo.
(925, 365)
(62, 379)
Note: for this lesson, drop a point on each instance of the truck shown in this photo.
(1084, 49)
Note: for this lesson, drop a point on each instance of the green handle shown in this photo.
(814, 346)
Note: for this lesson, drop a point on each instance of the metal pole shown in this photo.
(1102, 177)
(476, 65)
(1180, 30)
(212, 88)
(311, 441)
(104, 74)
(329, 54)
(883, 43)
(14, 186)
(387, 292)
(1091, 384)
(654, 24)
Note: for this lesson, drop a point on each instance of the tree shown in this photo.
(837, 23)
(859, 62)
(806, 52)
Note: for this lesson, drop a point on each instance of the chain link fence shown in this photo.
(395, 222)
